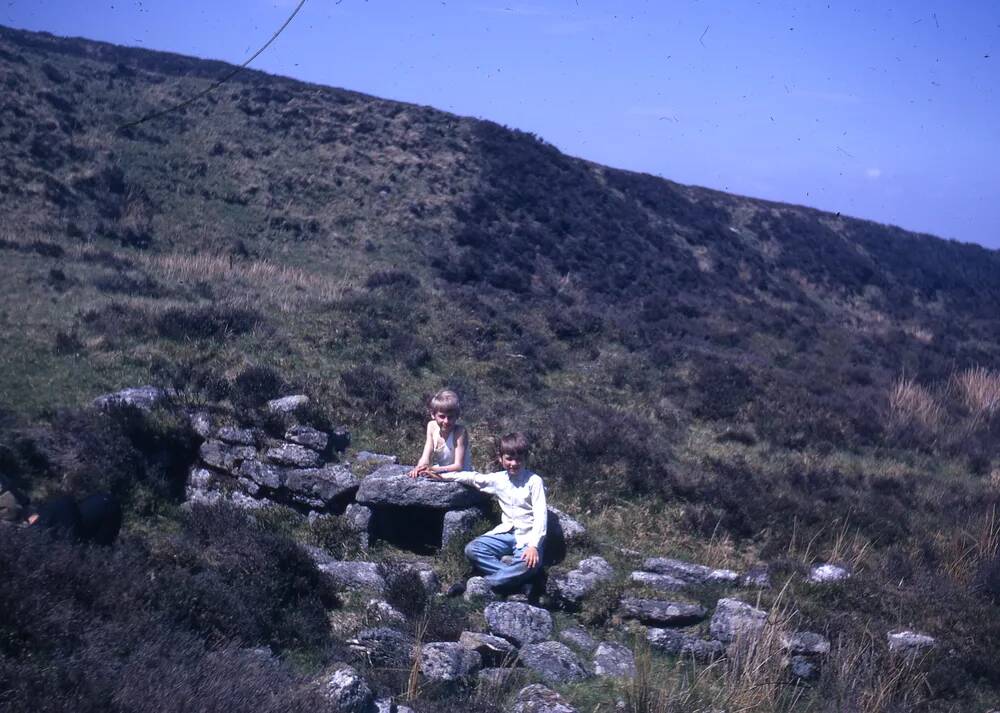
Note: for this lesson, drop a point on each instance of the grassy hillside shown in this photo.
(704, 374)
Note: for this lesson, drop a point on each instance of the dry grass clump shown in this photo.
(979, 390)
(285, 286)
(967, 550)
(912, 408)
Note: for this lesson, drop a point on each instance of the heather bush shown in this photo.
(133, 628)
(256, 385)
(208, 322)
(120, 448)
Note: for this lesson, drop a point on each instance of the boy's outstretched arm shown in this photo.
(425, 457)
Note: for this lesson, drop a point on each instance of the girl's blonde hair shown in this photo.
(446, 401)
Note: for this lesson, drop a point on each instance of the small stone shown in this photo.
(493, 650)
(493, 677)
(293, 455)
(236, 436)
(142, 397)
(827, 573)
(572, 587)
(735, 620)
(613, 660)
(384, 647)
(199, 478)
(553, 661)
(596, 565)
(803, 667)
(537, 698)
(678, 643)
(361, 520)
(805, 643)
(320, 486)
(381, 613)
(223, 456)
(264, 474)
(340, 439)
(347, 692)
(478, 590)
(520, 623)
(201, 423)
(308, 437)
(448, 661)
(287, 404)
(910, 643)
(657, 611)
(569, 529)
(458, 524)
(578, 637)
(351, 575)
(689, 572)
(663, 582)
(757, 578)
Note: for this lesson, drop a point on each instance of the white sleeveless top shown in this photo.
(444, 449)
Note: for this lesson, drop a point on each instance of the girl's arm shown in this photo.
(461, 443)
(425, 457)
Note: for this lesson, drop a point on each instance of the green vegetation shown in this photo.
(705, 375)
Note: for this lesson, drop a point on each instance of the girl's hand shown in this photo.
(417, 471)
(530, 556)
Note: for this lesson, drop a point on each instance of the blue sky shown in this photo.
(886, 111)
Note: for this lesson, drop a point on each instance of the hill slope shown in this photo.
(700, 371)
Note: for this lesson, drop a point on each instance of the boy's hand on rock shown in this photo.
(530, 556)
(432, 475)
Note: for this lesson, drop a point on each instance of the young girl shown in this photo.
(447, 448)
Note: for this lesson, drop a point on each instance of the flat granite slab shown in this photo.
(390, 485)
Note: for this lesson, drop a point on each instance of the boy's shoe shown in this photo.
(456, 589)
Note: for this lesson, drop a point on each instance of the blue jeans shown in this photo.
(485, 552)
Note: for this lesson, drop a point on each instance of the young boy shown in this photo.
(521, 531)
(446, 447)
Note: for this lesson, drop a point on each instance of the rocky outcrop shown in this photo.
(519, 623)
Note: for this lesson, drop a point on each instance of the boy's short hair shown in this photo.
(516, 445)
(446, 401)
